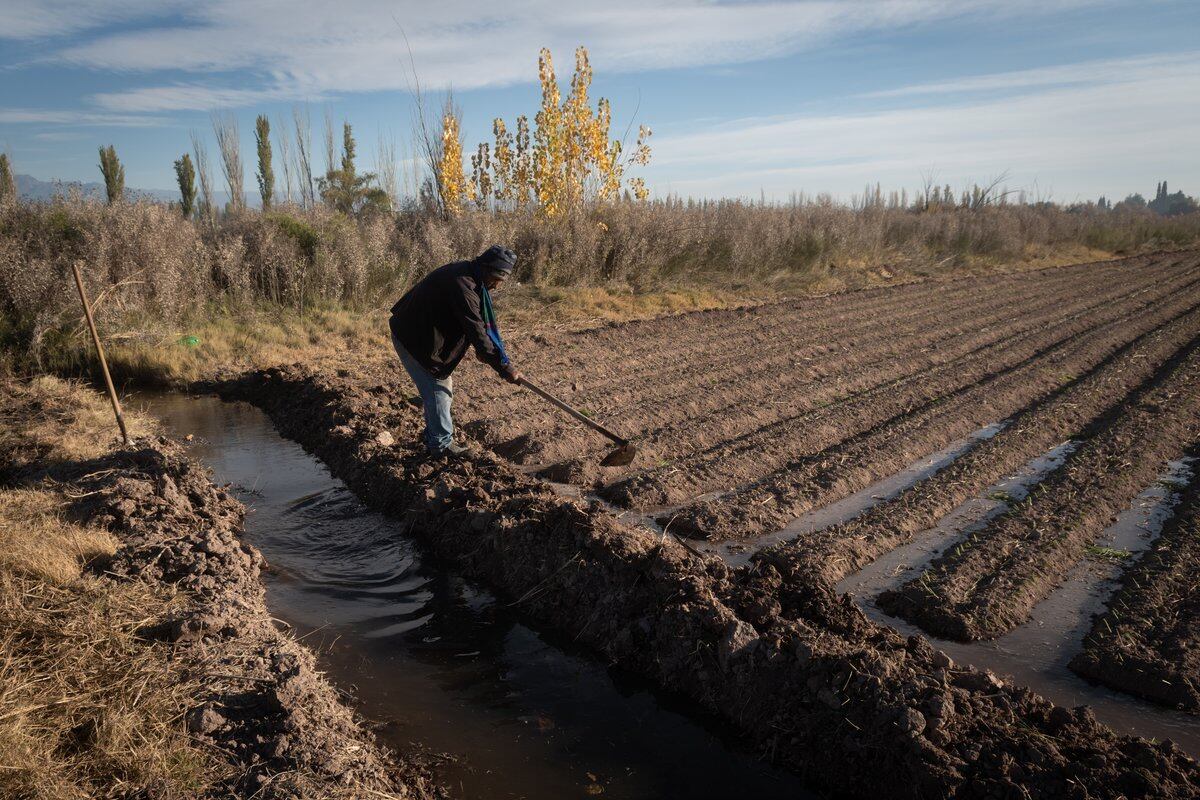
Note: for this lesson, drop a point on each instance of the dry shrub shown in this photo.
(152, 272)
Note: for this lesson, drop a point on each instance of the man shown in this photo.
(434, 322)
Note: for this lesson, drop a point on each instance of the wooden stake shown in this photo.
(112, 392)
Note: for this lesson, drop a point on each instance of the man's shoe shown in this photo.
(452, 449)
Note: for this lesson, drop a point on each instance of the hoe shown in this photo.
(619, 457)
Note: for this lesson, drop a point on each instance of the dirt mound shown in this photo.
(281, 724)
(851, 705)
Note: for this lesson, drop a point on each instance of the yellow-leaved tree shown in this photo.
(571, 160)
(452, 182)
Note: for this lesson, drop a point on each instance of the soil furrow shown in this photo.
(657, 374)
(675, 417)
(835, 552)
(1148, 642)
(773, 445)
(861, 460)
(986, 589)
(852, 706)
(658, 341)
(655, 344)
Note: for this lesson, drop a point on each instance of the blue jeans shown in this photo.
(436, 395)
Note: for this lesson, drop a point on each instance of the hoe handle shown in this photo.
(112, 393)
(579, 415)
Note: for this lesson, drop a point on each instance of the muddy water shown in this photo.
(441, 662)
(1035, 654)
(739, 553)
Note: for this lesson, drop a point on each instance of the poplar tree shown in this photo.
(114, 174)
(8, 183)
(345, 189)
(185, 174)
(266, 175)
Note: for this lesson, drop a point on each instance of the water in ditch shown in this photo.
(436, 660)
(1036, 653)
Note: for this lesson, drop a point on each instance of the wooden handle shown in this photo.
(112, 392)
(579, 415)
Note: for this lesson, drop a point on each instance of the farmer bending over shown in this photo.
(435, 321)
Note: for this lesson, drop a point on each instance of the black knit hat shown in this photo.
(498, 259)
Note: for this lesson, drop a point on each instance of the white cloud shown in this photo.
(303, 47)
(49, 116)
(181, 97)
(38, 19)
(1118, 130)
(1087, 72)
(60, 136)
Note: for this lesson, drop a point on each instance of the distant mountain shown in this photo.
(33, 190)
(30, 188)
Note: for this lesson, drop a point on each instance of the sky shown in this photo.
(1067, 99)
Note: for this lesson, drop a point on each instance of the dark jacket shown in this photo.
(440, 316)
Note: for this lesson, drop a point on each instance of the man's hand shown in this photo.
(514, 376)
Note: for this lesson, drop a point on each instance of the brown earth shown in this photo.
(989, 584)
(861, 459)
(870, 400)
(840, 550)
(851, 705)
(264, 709)
(1148, 642)
(866, 382)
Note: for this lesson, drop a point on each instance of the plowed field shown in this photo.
(748, 419)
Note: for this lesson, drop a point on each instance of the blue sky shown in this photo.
(1070, 98)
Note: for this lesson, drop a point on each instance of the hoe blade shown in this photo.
(622, 456)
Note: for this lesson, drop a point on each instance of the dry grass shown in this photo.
(48, 420)
(87, 709)
(229, 341)
(37, 542)
(257, 288)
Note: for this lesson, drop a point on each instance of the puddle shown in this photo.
(737, 553)
(437, 660)
(1036, 654)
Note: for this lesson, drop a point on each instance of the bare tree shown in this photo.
(304, 175)
(225, 128)
(427, 138)
(990, 192)
(204, 173)
(928, 184)
(330, 146)
(409, 177)
(285, 157)
(385, 167)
